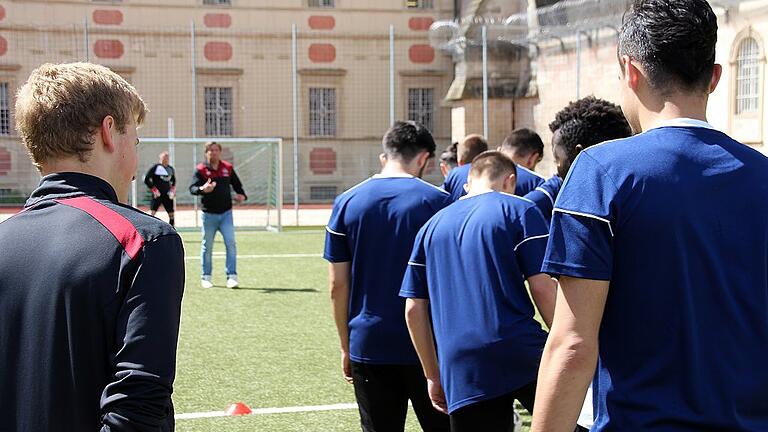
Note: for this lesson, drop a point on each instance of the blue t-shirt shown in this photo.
(470, 261)
(676, 219)
(544, 196)
(455, 181)
(527, 181)
(373, 225)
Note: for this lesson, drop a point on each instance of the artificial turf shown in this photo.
(271, 343)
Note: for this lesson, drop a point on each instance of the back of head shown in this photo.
(492, 165)
(673, 40)
(61, 106)
(523, 143)
(449, 157)
(472, 146)
(405, 139)
(589, 121)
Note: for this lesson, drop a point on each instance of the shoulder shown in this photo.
(227, 165)
(516, 201)
(430, 189)
(532, 173)
(201, 167)
(350, 193)
(148, 227)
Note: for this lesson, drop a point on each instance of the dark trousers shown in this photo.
(493, 415)
(382, 393)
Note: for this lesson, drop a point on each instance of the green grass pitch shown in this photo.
(271, 343)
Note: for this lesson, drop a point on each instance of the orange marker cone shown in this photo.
(238, 408)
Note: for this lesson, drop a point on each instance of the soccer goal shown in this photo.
(258, 163)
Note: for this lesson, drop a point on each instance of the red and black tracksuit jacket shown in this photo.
(90, 299)
(219, 200)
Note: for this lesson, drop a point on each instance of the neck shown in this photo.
(678, 106)
(214, 164)
(396, 166)
(479, 186)
(91, 168)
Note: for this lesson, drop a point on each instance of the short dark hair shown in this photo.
(589, 121)
(492, 165)
(674, 41)
(448, 156)
(524, 142)
(406, 139)
(472, 146)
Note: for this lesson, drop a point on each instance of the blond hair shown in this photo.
(61, 106)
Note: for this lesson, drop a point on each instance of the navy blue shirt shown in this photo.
(470, 261)
(527, 181)
(676, 219)
(373, 225)
(90, 300)
(544, 196)
(455, 181)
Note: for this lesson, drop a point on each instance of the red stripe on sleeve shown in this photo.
(117, 224)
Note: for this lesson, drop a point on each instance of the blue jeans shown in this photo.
(223, 223)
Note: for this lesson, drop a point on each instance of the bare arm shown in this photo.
(570, 355)
(339, 276)
(544, 293)
(420, 328)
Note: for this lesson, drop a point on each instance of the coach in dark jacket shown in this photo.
(90, 289)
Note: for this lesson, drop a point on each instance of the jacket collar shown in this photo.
(71, 184)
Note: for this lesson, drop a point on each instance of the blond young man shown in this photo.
(90, 288)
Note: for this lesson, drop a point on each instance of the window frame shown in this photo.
(7, 110)
(417, 109)
(219, 112)
(420, 4)
(324, 128)
(319, 4)
(747, 77)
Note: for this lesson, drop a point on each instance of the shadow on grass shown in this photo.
(271, 290)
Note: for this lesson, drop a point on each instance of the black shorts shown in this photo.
(165, 200)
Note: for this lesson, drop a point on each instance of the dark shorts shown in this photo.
(165, 200)
(383, 392)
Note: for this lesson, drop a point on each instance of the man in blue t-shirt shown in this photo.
(465, 280)
(369, 239)
(525, 147)
(466, 150)
(661, 244)
(581, 124)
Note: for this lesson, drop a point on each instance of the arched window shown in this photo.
(748, 77)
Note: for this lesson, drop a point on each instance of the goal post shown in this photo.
(258, 163)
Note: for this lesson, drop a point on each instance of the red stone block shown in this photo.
(5, 161)
(322, 160)
(420, 23)
(317, 22)
(421, 53)
(220, 20)
(107, 17)
(108, 48)
(218, 51)
(2, 13)
(322, 53)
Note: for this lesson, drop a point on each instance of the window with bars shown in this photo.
(217, 2)
(218, 111)
(322, 111)
(748, 77)
(321, 3)
(419, 4)
(5, 109)
(421, 106)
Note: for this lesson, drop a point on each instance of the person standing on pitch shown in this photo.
(525, 147)
(90, 288)
(466, 150)
(212, 181)
(369, 238)
(581, 124)
(161, 180)
(465, 280)
(661, 244)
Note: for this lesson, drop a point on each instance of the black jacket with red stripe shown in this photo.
(90, 299)
(219, 200)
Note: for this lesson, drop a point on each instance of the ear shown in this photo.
(107, 129)
(578, 149)
(717, 73)
(632, 74)
(533, 159)
(509, 183)
(382, 158)
(466, 185)
(424, 158)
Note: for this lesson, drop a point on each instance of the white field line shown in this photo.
(223, 255)
(262, 411)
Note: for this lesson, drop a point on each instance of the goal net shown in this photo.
(257, 162)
